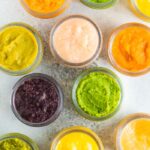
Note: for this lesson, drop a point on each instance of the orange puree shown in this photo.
(136, 135)
(131, 48)
(44, 6)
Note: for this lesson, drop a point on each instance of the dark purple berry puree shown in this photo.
(36, 100)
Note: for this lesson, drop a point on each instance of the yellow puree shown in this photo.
(77, 141)
(18, 48)
(136, 135)
(144, 6)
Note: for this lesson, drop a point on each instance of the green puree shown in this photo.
(98, 94)
(14, 144)
(99, 1)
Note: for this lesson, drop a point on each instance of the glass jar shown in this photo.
(21, 137)
(38, 57)
(99, 5)
(76, 84)
(66, 62)
(46, 15)
(141, 13)
(119, 129)
(112, 60)
(74, 129)
(60, 102)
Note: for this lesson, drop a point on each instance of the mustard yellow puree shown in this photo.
(44, 6)
(136, 135)
(18, 48)
(77, 141)
(144, 6)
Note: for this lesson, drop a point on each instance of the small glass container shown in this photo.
(39, 55)
(110, 54)
(45, 15)
(79, 129)
(97, 5)
(60, 103)
(22, 137)
(75, 86)
(136, 10)
(124, 123)
(67, 63)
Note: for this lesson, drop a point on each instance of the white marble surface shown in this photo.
(136, 90)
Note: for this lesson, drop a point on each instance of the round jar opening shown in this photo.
(97, 94)
(37, 100)
(76, 41)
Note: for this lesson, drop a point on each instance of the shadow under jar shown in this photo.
(76, 41)
(13, 141)
(97, 94)
(133, 132)
(99, 4)
(45, 9)
(21, 49)
(77, 137)
(37, 100)
(129, 49)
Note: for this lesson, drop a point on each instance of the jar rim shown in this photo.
(67, 63)
(123, 123)
(111, 39)
(22, 137)
(76, 83)
(60, 103)
(40, 49)
(80, 129)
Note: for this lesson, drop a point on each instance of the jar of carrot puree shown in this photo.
(141, 8)
(133, 133)
(21, 49)
(77, 138)
(45, 8)
(129, 49)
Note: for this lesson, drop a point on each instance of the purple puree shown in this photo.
(36, 100)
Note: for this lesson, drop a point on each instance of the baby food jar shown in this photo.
(97, 94)
(100, 4)
(21, 49)
(75, 41)
(37, 100)
(17, 140)
(133, 132)
(129, 50)
(77, 137)
(141, 8)
(45, 9)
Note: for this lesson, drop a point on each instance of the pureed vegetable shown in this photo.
(98, 94)
(18, 48)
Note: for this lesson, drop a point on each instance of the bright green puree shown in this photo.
(98, 94)
(99, 1)
(14, 144)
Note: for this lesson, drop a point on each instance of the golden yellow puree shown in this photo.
(77, 141)
(136, 135)
(18, 48)
(144, 6)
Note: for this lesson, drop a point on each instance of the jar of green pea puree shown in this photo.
(99, 4)
(97, 94)
(16, 141)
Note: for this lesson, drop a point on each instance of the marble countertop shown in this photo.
(136, 90)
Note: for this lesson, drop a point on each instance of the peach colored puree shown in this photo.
(44, 6)
(131, 48)
(76, 40)
(136, 135)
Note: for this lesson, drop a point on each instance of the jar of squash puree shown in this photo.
(45, 9)
(76, 41)
(21, 49)
(133, 132)
(77, 138)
